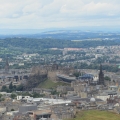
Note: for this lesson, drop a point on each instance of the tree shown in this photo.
(4, 88)
(20, 88)
(14, 87)
(11, 86)
(13, 96)
(54, 92)
(114, 81)
(77, 74)
(0, 95)
(12, 109)
(2, 99)
(107, 78)
(35, 95)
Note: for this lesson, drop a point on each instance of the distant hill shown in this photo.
(55, 39)
(57, 34)
(37, 44)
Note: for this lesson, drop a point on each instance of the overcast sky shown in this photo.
(40, 14)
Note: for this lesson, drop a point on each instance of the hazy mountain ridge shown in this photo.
(60, 34)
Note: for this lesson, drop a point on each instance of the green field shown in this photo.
(50, 84)
(96, 115)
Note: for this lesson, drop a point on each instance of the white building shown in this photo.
(103, 97)
(48, 101)
(23, 97)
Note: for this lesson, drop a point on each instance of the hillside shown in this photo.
(96, 115)
(50, 84)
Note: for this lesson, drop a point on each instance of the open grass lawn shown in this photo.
(50, 84)
(96, 115)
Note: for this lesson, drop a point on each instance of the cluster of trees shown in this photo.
(77, 74)
(12, 88)
(39, 44)
(107, 78)
(97, 66)
(1, 98)
(54, 92)
(48, 51)
(13, 96)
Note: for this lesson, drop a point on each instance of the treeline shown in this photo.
(39, 44)
(12, 88)
(97, 67)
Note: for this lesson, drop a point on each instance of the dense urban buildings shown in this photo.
(57, 83)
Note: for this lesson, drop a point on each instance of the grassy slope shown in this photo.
(50, 84)
(96, 115)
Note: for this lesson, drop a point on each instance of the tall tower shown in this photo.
(101, 76)
(6, 66)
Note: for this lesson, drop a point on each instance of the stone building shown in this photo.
(63, 111)
(64, 89)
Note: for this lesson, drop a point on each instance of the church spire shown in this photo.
(6, 66)
(101, 76)
(100, 67)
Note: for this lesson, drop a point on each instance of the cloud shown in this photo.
(58, 13)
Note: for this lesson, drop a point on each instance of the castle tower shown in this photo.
(101, 76)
